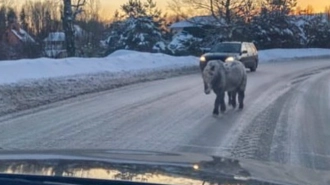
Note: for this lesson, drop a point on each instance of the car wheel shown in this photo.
(254, 67)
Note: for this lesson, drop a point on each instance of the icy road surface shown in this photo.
(286, 118)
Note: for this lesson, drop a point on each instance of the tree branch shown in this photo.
(78, 7)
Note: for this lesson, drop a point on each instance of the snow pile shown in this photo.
(119, 61)
(26, 84)
(284, 54)
(123, 61)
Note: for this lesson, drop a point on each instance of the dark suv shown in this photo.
(245, 52)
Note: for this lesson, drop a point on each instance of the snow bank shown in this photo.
(284, 54)
(25, 84)
(120, 61)
(123, 61)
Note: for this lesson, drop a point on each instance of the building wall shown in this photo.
(11, 38)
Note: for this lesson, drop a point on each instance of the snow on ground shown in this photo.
(25, 84)
(120, 61)
(283, 54)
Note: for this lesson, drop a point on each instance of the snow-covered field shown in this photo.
(29, 83)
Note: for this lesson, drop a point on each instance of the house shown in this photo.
(196, 23)
(54, 43)
(13, 39)
(15, 35)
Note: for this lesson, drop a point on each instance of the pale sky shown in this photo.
(110, 5)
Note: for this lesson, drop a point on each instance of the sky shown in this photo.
(111, 5)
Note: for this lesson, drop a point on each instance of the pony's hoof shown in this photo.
(241, 107)
(223, 109)
(215, 112)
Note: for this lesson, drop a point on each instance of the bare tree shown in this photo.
(70, 12)
(309, 10)
(6, 3)
(327, 12)
(92, 10)
(42, 14)
(229, 10)
(231, 15)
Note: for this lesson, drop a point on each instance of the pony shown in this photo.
(224, 77)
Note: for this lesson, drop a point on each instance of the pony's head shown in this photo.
(210, 73)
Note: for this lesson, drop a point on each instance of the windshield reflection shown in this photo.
(167, 174)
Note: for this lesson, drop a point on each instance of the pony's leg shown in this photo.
(216, 105)
(222, 101)
(233, 99)
(241, 95)
(230, 99)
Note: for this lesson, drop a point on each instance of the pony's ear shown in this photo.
(212, 68)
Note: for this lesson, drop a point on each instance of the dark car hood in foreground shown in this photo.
(155, 167)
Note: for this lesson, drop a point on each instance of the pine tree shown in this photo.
(3, 18)
(24, 23)
(279, 8)
(318, 32)
(274, 27)
(133, 9)
(142, 29)
(11, 16)
(141, 34)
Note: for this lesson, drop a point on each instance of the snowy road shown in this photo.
(286, 118)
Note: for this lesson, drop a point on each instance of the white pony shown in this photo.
(225, 77)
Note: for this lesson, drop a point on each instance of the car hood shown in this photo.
(155, 167)
(211, 55)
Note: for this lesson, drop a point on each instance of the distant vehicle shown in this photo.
(246, 52)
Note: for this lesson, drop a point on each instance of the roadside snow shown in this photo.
(120, 61)
(123, 61)
(25, 84)
(284, 54)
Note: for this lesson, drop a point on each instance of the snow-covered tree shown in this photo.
(139, 28)
(274, 27)
(184, 43)
(318, 32)
(141, 34)
(275, 32)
